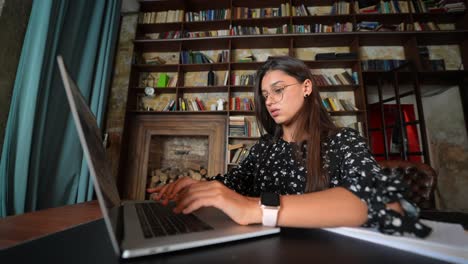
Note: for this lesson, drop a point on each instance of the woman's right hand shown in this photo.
(167, 192)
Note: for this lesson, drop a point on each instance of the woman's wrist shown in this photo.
(255, 211)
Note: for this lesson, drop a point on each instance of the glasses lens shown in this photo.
(277, 94)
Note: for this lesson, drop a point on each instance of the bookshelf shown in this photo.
(236, 29)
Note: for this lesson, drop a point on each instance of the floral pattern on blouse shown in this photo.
(276, 166)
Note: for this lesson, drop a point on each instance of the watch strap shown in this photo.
(270, 215)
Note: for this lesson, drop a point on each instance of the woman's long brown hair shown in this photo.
(313, 120)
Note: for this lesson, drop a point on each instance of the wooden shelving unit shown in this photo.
(290, 42)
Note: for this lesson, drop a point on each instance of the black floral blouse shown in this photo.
(273, 166)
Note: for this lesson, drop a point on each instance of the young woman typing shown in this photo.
(304, 172)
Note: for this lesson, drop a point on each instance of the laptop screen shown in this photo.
(90, 137)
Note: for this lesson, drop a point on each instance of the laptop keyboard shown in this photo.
(159, 220)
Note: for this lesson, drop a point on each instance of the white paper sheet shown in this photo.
(447, 242)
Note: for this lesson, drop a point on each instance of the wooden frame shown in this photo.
(143, 127)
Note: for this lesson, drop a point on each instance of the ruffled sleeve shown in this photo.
(351, 165)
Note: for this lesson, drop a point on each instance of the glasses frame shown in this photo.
(281, 93)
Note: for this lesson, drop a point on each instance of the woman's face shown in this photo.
(284, 95)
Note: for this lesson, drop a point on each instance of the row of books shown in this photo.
(427, 26)
(194, 57)
(333, 104)
(418, 6)
(415, 6)
(337, 27)
(377, 26)
(170, 16)
(416, 26)
(242, 79)
(243, 126)
(299, 11)
(322, 10)
(336, 56)
(325, 79)
(237, 153)
(381, 7)
(246, 12)
(241, 104)
(210, 33)
(452, 5)
(174, 34)
(442, 6)
(208, 15)
(223, 56)
(300, 29)
(381, 65)
(184, 104)
(314, 28)
(198, 57)
(243, 30)
(338, 7)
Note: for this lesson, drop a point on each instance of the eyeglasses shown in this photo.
(276, 94)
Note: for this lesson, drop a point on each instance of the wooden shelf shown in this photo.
(161, 27)
(367, 38)
(156, 67)
(239, 88)
(203, 89)
(264, 22)
(345, 113)
(320, 64)
(438, 17)
(245, 65)
(244, 138)
(241, 112)
(336, 88)
(157, 90)
(378, 17)
(425, 77)
(324, 19)
(204, 67)
(206, 112)
(293, 43)
(206, 25)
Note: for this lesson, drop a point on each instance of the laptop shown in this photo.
(139, 228)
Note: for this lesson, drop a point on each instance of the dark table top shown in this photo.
(89, 243)
(77, 234)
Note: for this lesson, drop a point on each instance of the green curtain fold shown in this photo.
(42, 161)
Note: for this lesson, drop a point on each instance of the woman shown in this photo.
(325, 176)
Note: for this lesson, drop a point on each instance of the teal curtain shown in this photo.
(42, 161)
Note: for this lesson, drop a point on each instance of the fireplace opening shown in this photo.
(172, 157)
(162, 148)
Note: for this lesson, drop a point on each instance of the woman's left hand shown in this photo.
(241, 209)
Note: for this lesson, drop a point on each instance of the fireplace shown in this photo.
(172, 157)
(162, 148)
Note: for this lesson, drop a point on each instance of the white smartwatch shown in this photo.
(270, 204)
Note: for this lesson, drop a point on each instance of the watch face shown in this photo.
(149, 91)
(270, 199)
